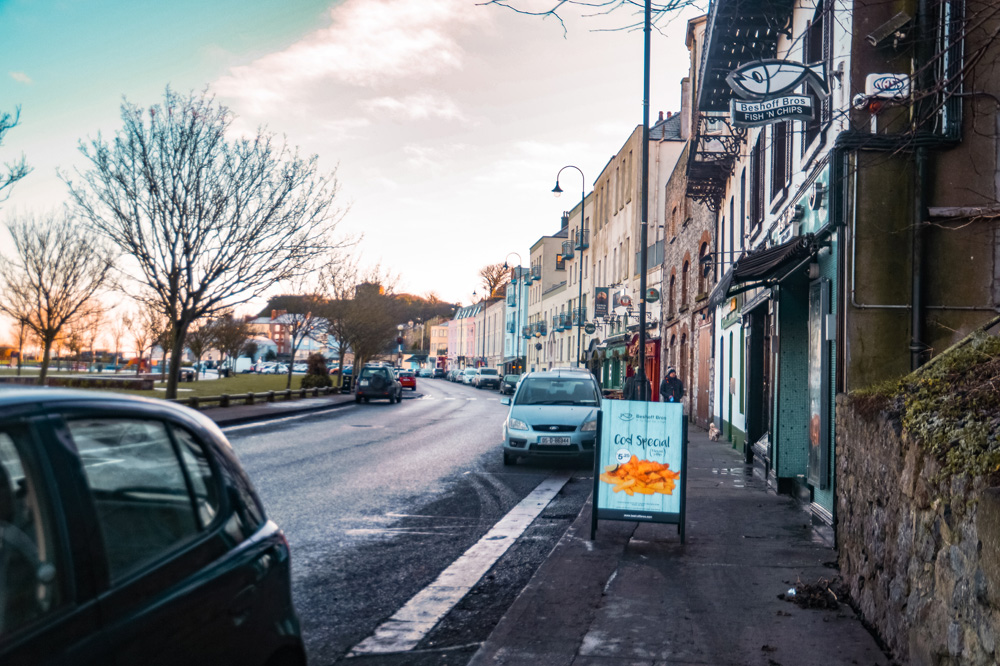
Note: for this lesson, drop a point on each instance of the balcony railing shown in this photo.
(582, 239)
(527, 331)
(536, 272)
(579, 316)
(567, 249)
(564, 321)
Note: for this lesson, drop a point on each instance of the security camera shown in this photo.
(860, 101)
(894, 29)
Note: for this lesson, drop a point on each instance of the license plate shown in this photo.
(564, 441)
(364, 382)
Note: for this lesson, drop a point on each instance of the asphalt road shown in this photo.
(377, 500)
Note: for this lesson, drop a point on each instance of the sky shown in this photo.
(446, 121)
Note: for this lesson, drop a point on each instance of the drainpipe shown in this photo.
(921, 65)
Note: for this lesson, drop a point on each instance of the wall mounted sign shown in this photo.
(652, 295)
(755, 114)
(640, 467)
(601, 302)
(589, 328)
(766, 87)
(887, 86)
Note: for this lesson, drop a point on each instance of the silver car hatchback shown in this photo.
(552, 414)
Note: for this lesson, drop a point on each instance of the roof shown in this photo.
(666, 129)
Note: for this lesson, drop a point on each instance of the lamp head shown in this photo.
(557, 190)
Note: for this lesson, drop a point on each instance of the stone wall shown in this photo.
(920, 552)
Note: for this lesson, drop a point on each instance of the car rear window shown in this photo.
(557, 391)
(489, 371)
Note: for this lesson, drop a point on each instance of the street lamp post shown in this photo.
(579, 268)
(517, 304)
(399, 343)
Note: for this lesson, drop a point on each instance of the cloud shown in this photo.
(416, 107)
(369, 44)
(21, 77)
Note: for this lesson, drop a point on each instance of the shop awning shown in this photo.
(761, 268)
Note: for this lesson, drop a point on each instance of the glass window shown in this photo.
(557, 391)
(204, 488)
(144, 505)
(30, 580)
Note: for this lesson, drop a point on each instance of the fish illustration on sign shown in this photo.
(769, 78)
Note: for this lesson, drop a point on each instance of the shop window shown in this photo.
(757, 184)
(672, 293)
(684, 284)
(780, 159)
(702, 252)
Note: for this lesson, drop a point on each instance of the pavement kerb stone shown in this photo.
(241, 414)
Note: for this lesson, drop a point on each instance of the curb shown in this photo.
(262, 416)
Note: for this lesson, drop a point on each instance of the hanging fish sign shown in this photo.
(766, 85)
(767, 79)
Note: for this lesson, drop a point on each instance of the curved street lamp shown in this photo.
(579, 268)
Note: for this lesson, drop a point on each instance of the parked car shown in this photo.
(407, 379)
(509, 383)
(486, 378)
(467, 375)
(131, 535)
(375, 382)
(438, 373)
(424, 372)
(300, 367)
(454, 375)
(552, 413)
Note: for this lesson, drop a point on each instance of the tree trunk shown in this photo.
(46, 359)
(176, 352)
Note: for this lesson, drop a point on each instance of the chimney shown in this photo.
(661, 115)
(669, 113)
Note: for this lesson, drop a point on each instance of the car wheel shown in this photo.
(508, 459)
(392, 398)
(413, 388)
(357, 398)
(366, 400)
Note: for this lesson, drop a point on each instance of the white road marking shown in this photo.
(411, 623)
(258, 424)
(471, 399)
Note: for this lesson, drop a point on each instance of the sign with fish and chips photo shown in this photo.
(640, 465)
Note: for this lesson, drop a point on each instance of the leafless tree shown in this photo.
(199, 339)
(209, 221)
(53, 278)
(304, 320)
(85, 331)
(494, 276)
(18, 169)
(230, 334)
(145, 326)
(658, 11)
(21, 333)
(118, 331)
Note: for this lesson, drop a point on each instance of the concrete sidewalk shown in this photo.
(636, 595)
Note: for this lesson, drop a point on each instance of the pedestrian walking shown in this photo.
(633, 389)
(671, 388)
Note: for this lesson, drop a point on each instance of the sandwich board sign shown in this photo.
(640, 465)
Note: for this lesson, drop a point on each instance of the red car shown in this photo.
(408, 379)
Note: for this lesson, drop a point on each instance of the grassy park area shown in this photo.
(243, 383)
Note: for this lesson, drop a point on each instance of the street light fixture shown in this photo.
(579, 268)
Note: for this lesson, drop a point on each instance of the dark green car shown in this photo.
(129, 534)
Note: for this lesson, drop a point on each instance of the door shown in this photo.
(48, 614)
(172, 593)
(704, 375)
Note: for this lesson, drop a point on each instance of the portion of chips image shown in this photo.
(645, 477)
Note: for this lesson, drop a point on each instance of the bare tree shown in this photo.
(494, 276)
(209, 221)
(118, 331)
(659, 11)
(230, 334)
(21, 333)
(199, 339)
(144, 326)
(304, 320)
(18, 169)
(53, 278)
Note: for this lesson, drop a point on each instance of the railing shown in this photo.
(579, 316)
(582, 239)
(536, 272)
(567, 249)
(564, 321)
(227, 400)
(527, 331)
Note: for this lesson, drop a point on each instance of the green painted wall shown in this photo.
(792, 432)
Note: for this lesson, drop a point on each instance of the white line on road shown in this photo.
(257, 424)
(411, 623)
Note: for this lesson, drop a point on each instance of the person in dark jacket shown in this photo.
(633, 389)
(671, 388)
